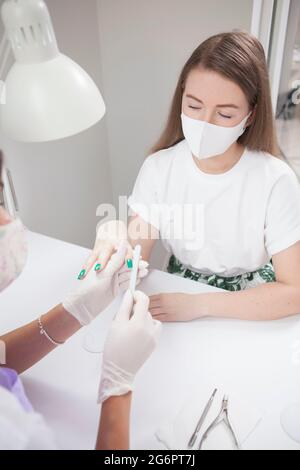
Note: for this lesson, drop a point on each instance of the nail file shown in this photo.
(135, 268)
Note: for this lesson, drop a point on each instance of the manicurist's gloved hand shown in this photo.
(98, 290)
(132, 339)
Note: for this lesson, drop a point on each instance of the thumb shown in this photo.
(141, 305)
(125, 310)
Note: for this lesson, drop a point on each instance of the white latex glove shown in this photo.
(98, 290)
(130, 342)
(125, 273)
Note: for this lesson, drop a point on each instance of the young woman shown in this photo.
(219, 153)
(219, 150)
(130, 342)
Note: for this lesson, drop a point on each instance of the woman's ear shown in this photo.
(252, 117)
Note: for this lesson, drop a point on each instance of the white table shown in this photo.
(253, 360)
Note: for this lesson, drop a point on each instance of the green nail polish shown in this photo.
(97, 267)
(129, 264)
(82, 274)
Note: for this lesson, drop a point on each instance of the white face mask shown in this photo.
(13, 252)
(207, 140)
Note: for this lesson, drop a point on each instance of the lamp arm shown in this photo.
(5, 50)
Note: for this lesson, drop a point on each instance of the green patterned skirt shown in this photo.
(236, 283)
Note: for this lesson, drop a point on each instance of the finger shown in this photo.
(124, 277)
(105, 255)
(125, 274)
(143, 265)
(86, 268)
(141, 305)
(117, 260)
(155, 307)
(129, 257)
(125, 310)
(155, 298)
(157, 312)
(143, 273)
(141, 299)
(155, 302)
(160, 316)
(124, 269)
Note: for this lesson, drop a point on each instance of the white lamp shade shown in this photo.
(49, 101)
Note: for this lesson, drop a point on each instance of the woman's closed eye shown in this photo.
(225, 116)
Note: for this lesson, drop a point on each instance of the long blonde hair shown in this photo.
(239, 57)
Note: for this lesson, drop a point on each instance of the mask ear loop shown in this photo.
(247, 117)
(251, 112)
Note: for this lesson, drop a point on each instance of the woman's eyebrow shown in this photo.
(218, 105)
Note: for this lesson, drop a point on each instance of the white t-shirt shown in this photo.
(240, 218)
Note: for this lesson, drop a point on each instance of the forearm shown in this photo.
(270, 301)
(143, 234)
(114, 429)
(26, 346)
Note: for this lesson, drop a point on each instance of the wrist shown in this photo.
(60, 324)
(69, 319)
(117, 401)
(75, 308)
(201, 306)
(114, 382)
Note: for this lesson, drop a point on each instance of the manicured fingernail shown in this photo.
(82, 274)
(97, 267)
(129, 264)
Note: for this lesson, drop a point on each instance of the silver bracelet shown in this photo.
(44, 333)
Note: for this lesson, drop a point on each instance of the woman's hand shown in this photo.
(109, 237)
(176, 307)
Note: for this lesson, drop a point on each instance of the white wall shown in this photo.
(144, 45)
(293, 33)
(135, 53)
